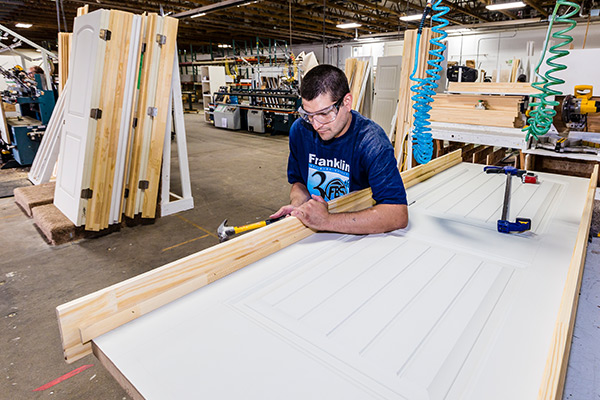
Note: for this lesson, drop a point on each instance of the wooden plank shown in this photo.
(481, 154)
(83, 10)
(467, 155)
(103, 310)
(142, 129)
(357, 81)
(163, 93)
(555, 371)
(505, 119)
(491, 87)
(468, 101)
(349, 69)
(129, 151)
(64, 50)
(495, 157)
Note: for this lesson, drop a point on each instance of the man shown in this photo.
(333, 151)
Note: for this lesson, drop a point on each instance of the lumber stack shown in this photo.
(515, 88)
(114, 164)
(358, 72)
(502, 111)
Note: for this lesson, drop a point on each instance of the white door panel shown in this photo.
(86, 65)
(387, 82)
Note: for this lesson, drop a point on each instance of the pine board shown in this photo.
(515, 88)
(159, 122)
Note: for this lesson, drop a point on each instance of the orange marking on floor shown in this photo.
(198, 226)
(182, 243)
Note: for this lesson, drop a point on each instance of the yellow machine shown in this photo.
(576, 108)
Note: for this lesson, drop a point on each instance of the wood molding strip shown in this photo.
(553, 381)
(83, 319)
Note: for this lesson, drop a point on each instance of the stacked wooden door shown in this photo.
(107, 110)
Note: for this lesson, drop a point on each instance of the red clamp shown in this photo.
(529, 177)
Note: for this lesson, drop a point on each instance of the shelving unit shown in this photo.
(212, 78)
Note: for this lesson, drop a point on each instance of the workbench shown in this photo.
(512, 138)
(447, 308)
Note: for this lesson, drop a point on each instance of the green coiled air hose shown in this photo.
(542, 113)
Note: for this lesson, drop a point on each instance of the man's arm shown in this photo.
(298, 196)
(377, 219)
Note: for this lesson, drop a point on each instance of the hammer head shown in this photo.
(224, 232)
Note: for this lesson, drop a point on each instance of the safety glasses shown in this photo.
(324, 116)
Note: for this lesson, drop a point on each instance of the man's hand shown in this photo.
(283, 211)
(313, 213)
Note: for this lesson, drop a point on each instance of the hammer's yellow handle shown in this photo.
(249, 227)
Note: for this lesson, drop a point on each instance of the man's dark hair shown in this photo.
(324, 79)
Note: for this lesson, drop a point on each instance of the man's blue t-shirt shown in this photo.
(362, 157)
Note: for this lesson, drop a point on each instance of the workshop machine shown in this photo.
(34, 105)
(260, 110)
(575, 110)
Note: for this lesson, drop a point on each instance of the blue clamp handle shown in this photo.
(504, 170)
(520, 225)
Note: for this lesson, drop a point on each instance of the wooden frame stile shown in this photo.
(126, 121)
(516, 88)
(159, 122)
(142, 131)
(64, 48)
(175, 119)
(154, 58)
(132, 137)
(555, 372)
(82, 320)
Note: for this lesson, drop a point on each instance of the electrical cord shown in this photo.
(424, 88)
(542, 109)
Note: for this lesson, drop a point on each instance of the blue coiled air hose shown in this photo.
(424, 88)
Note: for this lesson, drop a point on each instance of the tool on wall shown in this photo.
(520, 224)
(225, 232)
(543, 110)
(424, 88)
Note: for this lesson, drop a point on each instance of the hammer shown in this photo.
(225, 232)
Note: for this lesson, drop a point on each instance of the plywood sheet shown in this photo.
(448, 308)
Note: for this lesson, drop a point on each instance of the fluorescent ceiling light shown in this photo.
(21, 25)
(414, 17)
(198, 15)
(224, 46)
(348, 25)
(505, 6)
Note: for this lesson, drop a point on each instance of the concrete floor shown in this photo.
(234, 175)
